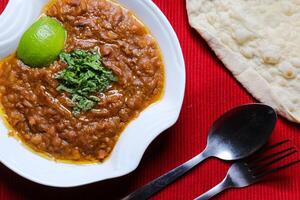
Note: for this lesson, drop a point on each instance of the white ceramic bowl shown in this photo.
(133, 142)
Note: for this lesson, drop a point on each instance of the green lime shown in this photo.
(42, 42)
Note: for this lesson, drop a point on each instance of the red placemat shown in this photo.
(210, 91)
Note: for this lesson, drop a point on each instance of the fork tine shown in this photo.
(268, 157)
(256, 169)
(263, 174)
(267, 148)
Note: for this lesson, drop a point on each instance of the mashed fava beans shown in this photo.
(42, 117)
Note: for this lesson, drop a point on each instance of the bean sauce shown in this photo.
(42, 117)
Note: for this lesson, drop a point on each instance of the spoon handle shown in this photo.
(156, 185)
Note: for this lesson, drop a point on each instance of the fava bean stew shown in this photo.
(75, 108)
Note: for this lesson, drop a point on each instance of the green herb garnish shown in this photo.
(84, 77)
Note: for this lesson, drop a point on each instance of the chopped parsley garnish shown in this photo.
(84, 77)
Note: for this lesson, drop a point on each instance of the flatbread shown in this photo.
(259, 42)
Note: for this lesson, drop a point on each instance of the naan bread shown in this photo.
(259, 42)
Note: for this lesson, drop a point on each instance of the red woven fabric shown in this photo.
(210, 91)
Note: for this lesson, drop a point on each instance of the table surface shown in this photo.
(210, 91)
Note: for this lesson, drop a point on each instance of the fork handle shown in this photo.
(156, 185)
(225, 184)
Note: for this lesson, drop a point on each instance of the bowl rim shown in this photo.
(168, 123)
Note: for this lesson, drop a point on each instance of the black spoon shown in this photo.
(235, 135)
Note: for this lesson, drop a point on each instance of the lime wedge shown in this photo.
(42, 42)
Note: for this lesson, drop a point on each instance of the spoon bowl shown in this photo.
(240, 132)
